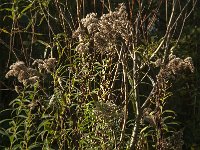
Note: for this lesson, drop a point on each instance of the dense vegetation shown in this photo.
(109, 74)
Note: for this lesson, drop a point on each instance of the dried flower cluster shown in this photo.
(83, 48)
(27, 75)
(47, 64)
(175, 66)
(90, 23)
(24, 74)
(104, 32)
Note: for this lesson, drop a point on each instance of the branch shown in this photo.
(134, 136)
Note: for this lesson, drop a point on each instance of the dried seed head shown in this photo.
(158, 62)
(89, 19)
(37, 61)
(189, 63)
(105, 31)
(90, 22)
(24, 75)
(175, 66)
(92, 28)
(100, 41)
(82, 48)
(32, 72)
(19, 65)
(32, 80)
(10, 73)
(79, 33)
(171, 56)
(47, 64)
(15, 69)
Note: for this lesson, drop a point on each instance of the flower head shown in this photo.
(25, 75)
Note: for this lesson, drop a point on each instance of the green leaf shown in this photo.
(25, 9)
(4, 31)
(2, 121)
(44, 43)
(14, 101)
(17, 147)
(44, 124)
(3, 132)
(169, 111)
(22, 116)
(34, 145)
(144, 129)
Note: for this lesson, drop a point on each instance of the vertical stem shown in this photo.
(168, 33)
(135, 78)
(78, 11)
(166, 10)
(133, 141)
(83, 1)
(125, 100)
(136, 104)
(94, 3)
(109, 5)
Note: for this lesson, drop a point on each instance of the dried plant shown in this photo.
(97, 97)
(47, 64)
(105, 31)
(25, 75)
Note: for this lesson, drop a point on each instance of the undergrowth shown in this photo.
(100, 89)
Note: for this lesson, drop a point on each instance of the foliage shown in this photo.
(102, 85)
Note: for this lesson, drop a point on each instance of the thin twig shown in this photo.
(125, 99)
